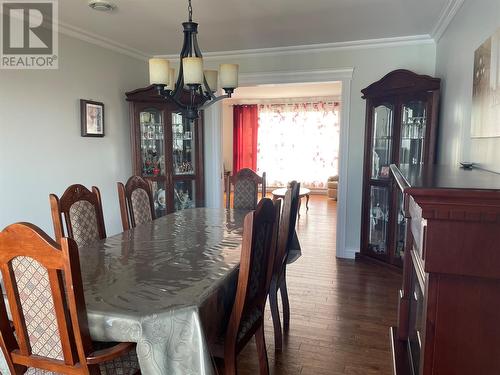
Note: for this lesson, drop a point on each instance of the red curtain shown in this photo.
(246, 124)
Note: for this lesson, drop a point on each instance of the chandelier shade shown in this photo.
(195, 88)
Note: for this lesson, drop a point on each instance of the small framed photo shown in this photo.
(92, 118)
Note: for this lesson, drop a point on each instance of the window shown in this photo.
(298, 141)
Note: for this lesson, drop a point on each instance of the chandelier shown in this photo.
(194, 88)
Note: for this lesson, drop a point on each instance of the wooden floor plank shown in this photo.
(341, 310)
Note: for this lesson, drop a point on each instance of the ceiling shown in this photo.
(153, 27)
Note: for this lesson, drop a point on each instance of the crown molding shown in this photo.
(101, 41)
(449, 12)
(315, 48)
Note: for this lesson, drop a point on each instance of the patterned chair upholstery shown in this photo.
(140, 206)
(246, 188)
(83, 217)
(37, 306)
(136, 202)
(245, 194)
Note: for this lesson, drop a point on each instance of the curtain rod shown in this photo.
(308, 100)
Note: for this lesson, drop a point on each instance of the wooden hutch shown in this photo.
(449, 304)
(401, 129)
(167, 150)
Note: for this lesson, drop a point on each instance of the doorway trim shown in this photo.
(296, 77)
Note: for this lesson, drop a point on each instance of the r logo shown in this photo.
(27, 28)
(29, 34)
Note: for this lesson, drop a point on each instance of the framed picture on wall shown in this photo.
(486, 89)
(92, 118)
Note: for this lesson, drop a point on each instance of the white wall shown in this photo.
(369, 64)
(41, 150)
(227, 135)
(476, 21)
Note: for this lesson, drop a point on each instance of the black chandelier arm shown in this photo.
(169, 95)
(214, 100)
(208, 89)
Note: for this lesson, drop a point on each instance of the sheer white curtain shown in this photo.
(298, 141)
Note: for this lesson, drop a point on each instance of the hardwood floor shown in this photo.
(341, 310)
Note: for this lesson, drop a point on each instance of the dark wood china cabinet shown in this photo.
(401, 129)
(167, 150)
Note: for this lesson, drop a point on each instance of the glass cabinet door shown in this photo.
(159, 197)
(383, 121)
(152, 143)
(184, 194)
(413, 130)
(400, 226)
(379, 219)
(183, 149)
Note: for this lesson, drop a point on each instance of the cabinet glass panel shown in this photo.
(383, 119)
(183, 145)
(184, 195)
(413, 128)
(159, 197)
(379, 217)
(400, 226)
(152, 143)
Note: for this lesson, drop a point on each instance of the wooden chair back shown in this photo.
(43, 284)
(287, 225)
(83, 216)
(260, 232)
(246, 189)
(136, 202)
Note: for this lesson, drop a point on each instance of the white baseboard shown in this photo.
(348, 254)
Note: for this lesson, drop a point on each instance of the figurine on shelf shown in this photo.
(378, 215)
(151, 163)
(186, 167)
(182, 200)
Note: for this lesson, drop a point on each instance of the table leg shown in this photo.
(307, 202)
(298, 208)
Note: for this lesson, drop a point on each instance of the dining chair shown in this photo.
(82, 210)
(260, 229)
(136, 202)
(278, 281)
(246, 188)
(49, 329)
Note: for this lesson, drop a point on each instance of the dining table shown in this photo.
(167, 285)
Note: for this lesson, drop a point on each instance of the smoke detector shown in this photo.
(102, 5)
